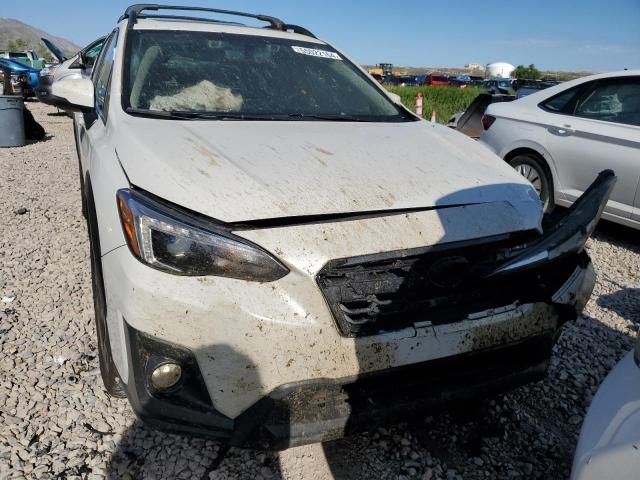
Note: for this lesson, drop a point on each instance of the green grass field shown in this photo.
(445, 101)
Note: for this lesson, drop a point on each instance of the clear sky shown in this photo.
(553, 34)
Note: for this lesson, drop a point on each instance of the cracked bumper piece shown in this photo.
(322, 409)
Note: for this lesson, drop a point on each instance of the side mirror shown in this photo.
(75, 95)
(78, 62)
(395, 98)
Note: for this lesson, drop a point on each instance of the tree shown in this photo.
(527, 73)
(17, 45)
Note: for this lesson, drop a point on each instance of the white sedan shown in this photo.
(561, 137)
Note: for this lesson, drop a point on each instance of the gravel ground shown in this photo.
(57, 422)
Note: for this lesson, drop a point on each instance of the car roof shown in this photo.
(221, 27)
(561, 87)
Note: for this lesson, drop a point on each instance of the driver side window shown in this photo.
(102, 75)
(91, 55)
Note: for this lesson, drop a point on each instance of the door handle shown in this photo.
(563, 131)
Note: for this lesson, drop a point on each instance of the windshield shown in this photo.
(247, 76)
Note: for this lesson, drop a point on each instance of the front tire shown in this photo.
(112, 382)
(82, 192)
(536, 171)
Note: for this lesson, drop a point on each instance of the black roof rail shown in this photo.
(298, 29)
(189, 18)
(134, 12)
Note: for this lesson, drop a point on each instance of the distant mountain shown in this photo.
(11, 30)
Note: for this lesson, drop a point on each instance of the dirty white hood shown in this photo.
(241, 171)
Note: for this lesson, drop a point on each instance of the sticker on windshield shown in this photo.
(316, 53)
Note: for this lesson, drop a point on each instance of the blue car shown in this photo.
(30, 76)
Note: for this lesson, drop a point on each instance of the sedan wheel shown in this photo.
(530, 173)
(536, 171)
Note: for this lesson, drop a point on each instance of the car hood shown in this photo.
(237, 171)
(53, 48)
(64, 72)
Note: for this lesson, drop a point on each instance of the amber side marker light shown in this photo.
(128, 225)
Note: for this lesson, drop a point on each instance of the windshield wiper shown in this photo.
(331, 118)
(186, 115)
(217, 116)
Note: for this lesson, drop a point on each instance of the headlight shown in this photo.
(571, 232)
(182, 244)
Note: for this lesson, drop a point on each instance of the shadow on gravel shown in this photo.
(618, 235)
(144, 453)
(625, 302)
(45, 139)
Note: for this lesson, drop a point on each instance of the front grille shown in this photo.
(385, 292)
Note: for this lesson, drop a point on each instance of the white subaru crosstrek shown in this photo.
(283, 254)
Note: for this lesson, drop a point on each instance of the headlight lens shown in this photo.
(182, 244)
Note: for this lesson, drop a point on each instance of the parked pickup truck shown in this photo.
(27, 57)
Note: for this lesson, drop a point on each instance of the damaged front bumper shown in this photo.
(511, 347)
(420, 366)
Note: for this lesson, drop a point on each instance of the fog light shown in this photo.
(166, 376)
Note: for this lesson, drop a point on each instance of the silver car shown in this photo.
(561, 137)
(78, 66)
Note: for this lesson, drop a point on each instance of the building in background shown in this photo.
(475, 67)
(499, 70)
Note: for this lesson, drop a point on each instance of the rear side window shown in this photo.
(616, 100)
(562, 102)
